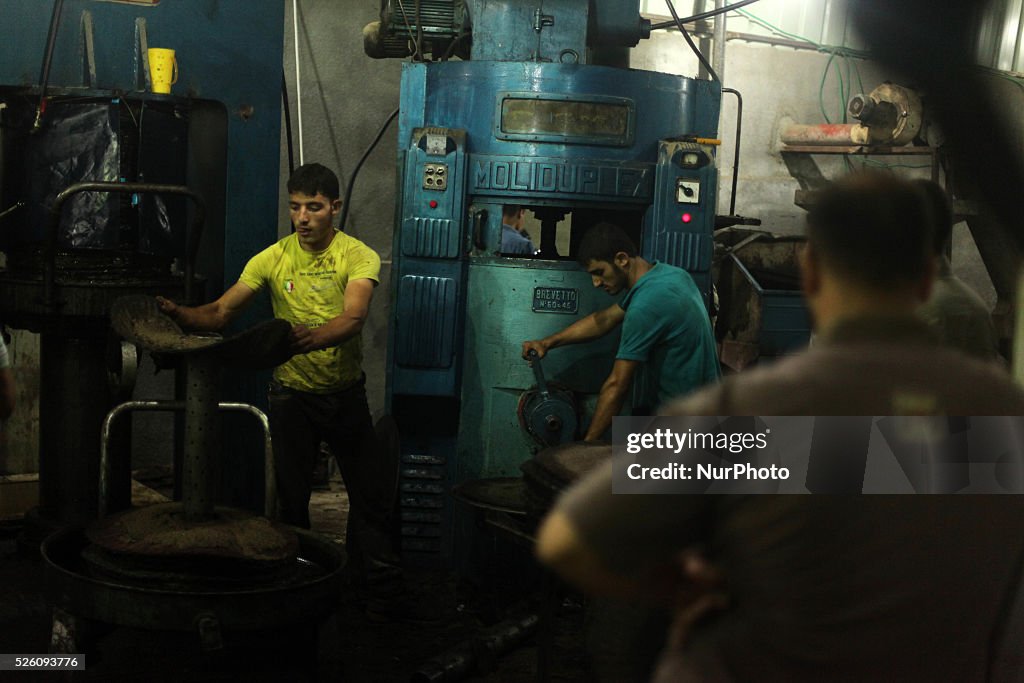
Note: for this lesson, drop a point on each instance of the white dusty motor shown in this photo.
(889, 115)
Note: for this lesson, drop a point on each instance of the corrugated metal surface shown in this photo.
(999, 38)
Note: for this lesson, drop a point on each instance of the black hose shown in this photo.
(359, 165)
(452, 45)
(419, 31)
(736, 156)
(44, 76)
(287, 122)
(689, 41)
(703, 15)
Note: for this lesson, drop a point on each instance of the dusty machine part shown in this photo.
(762, 314)
(479, 654)
(438, 27)
(500, 494)
(548, 413)
(839, 134)
(892, 114)
(552, 470)
(164, 531)
(109, 497)
(200, 475)
(99, 76)
(66, 295)
(139, 320)
(52, 237)
(191, 565)
(281, 613)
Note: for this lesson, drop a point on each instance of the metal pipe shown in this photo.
(192, 238)
(718, 55)
(44, 76)
(298, 80)
(286, 106)
(538, 373)
(202, 438)
(270, 486)
(825, 134)
(478, 652)
(736, 156)
(705, 40)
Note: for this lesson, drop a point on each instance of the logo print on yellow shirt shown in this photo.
(289, 286)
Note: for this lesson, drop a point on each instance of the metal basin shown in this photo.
(312, 594)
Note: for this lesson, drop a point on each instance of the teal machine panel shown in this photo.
(528, 120)
(506, 300)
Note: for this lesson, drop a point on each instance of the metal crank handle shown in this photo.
(538, 373)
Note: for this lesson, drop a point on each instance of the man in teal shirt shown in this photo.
(666, 331)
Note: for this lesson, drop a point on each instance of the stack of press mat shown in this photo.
(554, 469)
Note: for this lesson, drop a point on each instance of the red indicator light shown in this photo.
(687, 218)
(433, 203)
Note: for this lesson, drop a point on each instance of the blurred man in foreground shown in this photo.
(820, 587)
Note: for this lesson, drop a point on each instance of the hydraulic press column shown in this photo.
(426, 332)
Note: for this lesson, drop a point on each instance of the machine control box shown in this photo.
(687, 191)
(435, 177)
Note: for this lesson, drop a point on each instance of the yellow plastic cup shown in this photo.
(163, 69)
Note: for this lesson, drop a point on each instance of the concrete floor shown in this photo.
(351, 647)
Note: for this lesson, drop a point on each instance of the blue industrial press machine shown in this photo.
(533, 116)
(76, 107)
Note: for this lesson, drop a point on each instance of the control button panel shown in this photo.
(435, 177)
(687, 191)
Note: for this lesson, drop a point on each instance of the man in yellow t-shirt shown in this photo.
(320, 280)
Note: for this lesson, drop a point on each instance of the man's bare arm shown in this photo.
(592, 327)
(612, 396)
(212, 316)
(358, 294)
(686, 581)
(560, 547)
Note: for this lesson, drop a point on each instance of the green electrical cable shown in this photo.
(821, 88)
(883, 164)
(843, 52)
(860, 83)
